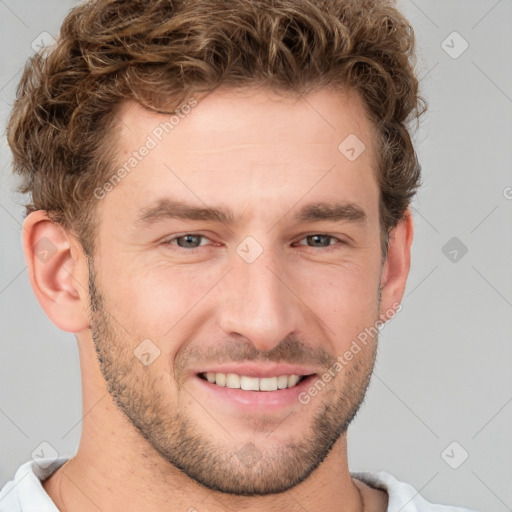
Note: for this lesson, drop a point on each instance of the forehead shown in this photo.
(252, 115)
(249, 148)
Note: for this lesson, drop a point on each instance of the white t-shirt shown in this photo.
(25, 492)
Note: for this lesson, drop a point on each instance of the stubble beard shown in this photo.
(240, 467)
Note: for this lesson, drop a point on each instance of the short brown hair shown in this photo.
(158, 52)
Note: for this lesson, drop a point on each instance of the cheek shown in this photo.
(345, 297)
(160, 299)
(348, 284)
(157, 300)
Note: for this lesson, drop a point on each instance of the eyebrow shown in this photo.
(174, 209)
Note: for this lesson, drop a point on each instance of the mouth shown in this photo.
(250, 383)
(239, 393)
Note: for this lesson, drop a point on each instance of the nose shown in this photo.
(257, 303)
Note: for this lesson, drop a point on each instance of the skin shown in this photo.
(296, 301)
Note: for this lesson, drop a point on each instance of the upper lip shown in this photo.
(259, 370)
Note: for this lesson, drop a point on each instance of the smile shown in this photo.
(248, 383)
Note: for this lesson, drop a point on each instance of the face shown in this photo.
(261, 277)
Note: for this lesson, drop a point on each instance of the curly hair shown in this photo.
(158, 52)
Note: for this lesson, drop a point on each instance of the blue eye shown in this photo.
(190, 240)
(319, 237)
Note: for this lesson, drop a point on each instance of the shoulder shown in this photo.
(401, 495)
(25, 493)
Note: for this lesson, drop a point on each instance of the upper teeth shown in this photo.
(232, 380)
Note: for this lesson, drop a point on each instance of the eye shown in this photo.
(322, 240)
(187, 241)
(193, 241)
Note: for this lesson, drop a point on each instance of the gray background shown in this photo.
(444, 363)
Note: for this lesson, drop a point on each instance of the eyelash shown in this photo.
(329, 248)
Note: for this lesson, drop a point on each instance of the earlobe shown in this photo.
(396, 267)
(56, 271)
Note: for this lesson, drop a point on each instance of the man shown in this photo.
(219, 212)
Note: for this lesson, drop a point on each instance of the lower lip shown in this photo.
(254, 401)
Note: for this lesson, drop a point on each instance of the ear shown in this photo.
(58, 271)
(396, 267)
